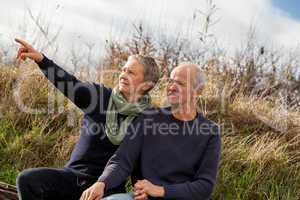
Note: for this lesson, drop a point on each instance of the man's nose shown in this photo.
(172, 86)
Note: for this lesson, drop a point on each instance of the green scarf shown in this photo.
(118, 104)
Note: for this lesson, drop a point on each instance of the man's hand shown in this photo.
(27, 51)
(144, 188)
(95, 192)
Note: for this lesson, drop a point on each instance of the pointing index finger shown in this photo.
(22, 42)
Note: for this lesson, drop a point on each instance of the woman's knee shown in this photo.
(22, 178)
(29, 176)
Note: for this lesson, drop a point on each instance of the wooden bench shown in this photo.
(8, 192)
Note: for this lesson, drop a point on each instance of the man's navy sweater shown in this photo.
(93, 149)
(181, 156)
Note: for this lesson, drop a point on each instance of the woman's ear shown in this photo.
(147, 86)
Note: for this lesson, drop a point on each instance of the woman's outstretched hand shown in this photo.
(27, 51)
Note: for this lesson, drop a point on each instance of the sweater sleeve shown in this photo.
(121, 164)
(84, 95)
(205, 178)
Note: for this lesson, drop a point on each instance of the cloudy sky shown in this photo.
(277, 22)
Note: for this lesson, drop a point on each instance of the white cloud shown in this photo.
(96, 20)
(272, 25)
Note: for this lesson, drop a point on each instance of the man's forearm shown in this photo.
(121, 164)
(160, 191)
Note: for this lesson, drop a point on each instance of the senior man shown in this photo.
(177, 148)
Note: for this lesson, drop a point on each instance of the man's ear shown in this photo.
(198, 91)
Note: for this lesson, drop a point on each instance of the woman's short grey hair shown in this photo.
(151, 69)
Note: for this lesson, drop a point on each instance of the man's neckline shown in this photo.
(180, 120)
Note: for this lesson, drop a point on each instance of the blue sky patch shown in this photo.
(292, 7)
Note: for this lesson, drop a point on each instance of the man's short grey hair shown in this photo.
(151, 69)
(199, 78)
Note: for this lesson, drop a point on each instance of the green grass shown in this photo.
(31, 147)
(240, 180)
(8, 174)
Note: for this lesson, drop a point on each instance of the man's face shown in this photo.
(131, 77)
(179, 88)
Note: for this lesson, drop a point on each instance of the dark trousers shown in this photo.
(54, 184)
